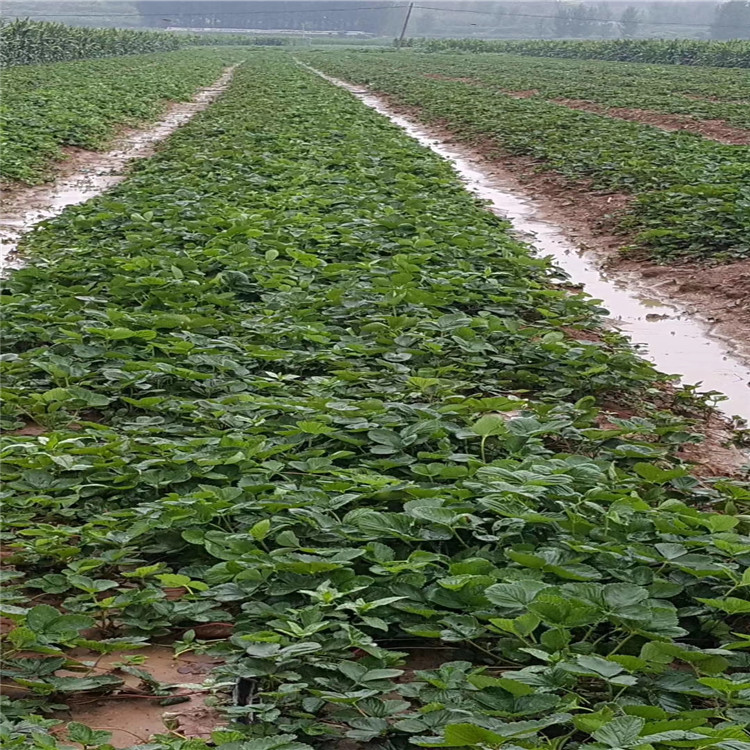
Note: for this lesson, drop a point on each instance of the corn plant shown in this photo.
(26, 42)
(730, 54)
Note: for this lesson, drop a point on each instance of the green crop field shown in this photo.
(47, 107)
(291, 379)
(701, 93)
(692, 194)
(27, 42)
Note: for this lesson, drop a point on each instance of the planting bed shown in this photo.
(290, 397)
(715, 94)
(50, 111)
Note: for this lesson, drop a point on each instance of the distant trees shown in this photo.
(574, 21)
(629, 22)
(732, 21)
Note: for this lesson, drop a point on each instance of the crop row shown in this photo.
(692, 194)
(82, 103)
(731, 54)
(291, 374)
(25, 42)
(701, 93)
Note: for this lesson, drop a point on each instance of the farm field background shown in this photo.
(291, 383)
(701, 93)
(734, 53)
(690, 194)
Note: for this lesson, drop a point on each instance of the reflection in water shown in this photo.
(674, 341)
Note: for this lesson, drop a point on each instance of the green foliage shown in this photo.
(340, 407)
(730, 54)
(700, 93)
(27, 42)
(691, 194)
(47, 108)
(24, 42)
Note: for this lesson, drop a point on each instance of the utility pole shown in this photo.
(406, 23)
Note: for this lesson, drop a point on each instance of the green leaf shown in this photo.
(173, 580)
(261, 529)
(468, 735)
(489, 425)
(622, 732)
(517, 595)
(731, 604)
(655, 475)
(83, 734)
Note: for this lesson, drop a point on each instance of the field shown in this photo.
(699, 93)
(690, 193)
(291, 384)
(82, 104)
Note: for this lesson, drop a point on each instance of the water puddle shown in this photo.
(667, 335)
(94, 173)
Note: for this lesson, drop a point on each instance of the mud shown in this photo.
(716, 456)
(523, 94)
(86, 174)
(132, 714)
(677, 339)
(715, 130)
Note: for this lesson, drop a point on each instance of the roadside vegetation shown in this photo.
(690, 193)
(291, 376)
(730, 54)
(83, 103)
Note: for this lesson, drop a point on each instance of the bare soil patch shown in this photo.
(715, 130)
(465, 79)
(132, 714)
(523, 94)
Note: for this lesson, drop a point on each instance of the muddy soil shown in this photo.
(132, 714)
(86, 174)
